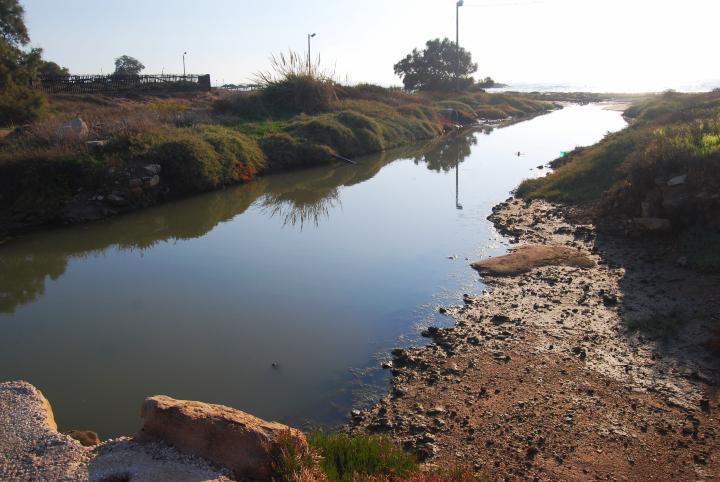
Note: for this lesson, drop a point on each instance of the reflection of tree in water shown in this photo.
(307, 197)
(300, 197)
(23, 279)
(27, 264)
(300, 206)
(447, 152)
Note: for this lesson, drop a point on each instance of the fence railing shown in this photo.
(88, 84)
(240, 87)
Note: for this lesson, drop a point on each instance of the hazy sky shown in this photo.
(635, 44)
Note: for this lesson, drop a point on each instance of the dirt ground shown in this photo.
(607, 372)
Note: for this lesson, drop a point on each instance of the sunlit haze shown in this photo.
(609, 44)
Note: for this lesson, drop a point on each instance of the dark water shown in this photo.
(321, 271)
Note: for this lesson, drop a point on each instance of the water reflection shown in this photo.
(299, 198)
(443, 156)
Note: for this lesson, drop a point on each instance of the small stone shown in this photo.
(677, 180)
(86, 438)
(153, 169)
(151, 181)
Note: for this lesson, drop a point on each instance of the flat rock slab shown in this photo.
(527, 258)
(229, 437)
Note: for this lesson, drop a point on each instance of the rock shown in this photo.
(30, 446)
(151, 181)
(117, 199)
(136, 182)
(677, 180)
(653, 224)
(153, 169)
(97, 144)
(674, 198)
(75, 128)
(527, 258)
(223, 435)
(87, 438)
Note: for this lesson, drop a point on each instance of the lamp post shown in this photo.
(459, 4)
(310, 35)
(184, 54)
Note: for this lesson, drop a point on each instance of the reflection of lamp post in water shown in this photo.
(457, 182)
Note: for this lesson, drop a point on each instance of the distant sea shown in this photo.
(699, 86)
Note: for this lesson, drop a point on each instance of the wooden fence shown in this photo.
(109, 84)
(240, 87)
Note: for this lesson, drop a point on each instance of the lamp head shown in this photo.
(461, 3)
(312, 35)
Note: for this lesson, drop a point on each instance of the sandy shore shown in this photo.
(558, 373)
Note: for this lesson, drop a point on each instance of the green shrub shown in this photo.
(368, 132)
(43, 183)
(283, 151)
(457, 111)
(345, 457)
(328, 131)
(240, 155)
(300, 94)
(20, 105)
(189, 163)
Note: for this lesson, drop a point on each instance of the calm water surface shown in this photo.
(322, 271)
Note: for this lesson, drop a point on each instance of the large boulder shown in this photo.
(30, 446)
(229, 437)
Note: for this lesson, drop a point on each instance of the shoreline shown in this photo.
(554, 374)
(86, 208)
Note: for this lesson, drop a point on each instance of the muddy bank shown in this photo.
(604, 371)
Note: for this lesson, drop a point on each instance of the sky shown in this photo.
(627, 45)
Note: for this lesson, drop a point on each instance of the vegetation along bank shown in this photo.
(122, 154)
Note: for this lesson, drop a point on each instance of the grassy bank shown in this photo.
(51, 173)
(664, 169)
(358, 458)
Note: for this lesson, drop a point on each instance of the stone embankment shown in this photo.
(180, 441)
(587, 357)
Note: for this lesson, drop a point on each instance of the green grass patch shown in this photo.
(346, 457)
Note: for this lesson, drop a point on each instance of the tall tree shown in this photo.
(19, 102)
(12, 23)
(128, 66)
(436, 67)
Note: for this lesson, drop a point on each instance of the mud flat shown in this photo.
(604, 370)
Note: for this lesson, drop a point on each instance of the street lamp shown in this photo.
(310, 35)
(184, 54)
(459, 4)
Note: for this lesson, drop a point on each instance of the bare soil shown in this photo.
(607, 372)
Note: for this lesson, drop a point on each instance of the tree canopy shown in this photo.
(19, 102)
(51, 69)
(12, 23)
(434, 68)
(128, 66)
